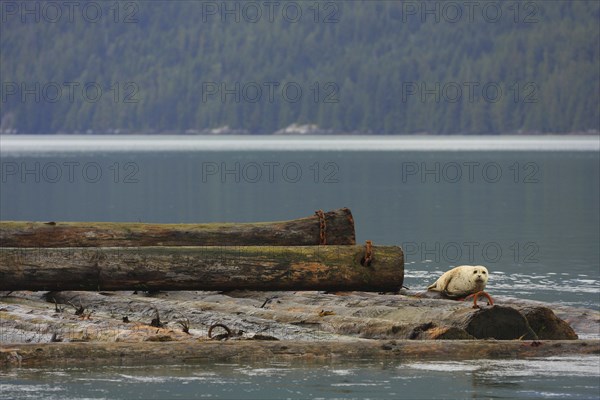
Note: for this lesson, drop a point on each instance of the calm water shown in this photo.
(558, 377)
(531, 216)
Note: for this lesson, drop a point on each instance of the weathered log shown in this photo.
(202, 268)
(33, 316)
(338, 230)
(211, 351)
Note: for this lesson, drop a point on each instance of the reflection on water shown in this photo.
(537, 378)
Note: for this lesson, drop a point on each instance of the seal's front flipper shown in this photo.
(475, 296)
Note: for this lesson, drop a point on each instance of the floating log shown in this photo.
(202, 268)
(337, 227)
(187, 352)
(117, 328)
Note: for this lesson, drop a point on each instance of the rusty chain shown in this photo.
(322, 227)
(368, 253)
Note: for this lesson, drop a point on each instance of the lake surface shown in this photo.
(527, 208)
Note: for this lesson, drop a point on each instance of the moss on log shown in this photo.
(339, 230)
(202, 268)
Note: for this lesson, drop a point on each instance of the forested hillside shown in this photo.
(381, 67)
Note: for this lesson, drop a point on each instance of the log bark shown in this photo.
(339, 230)
(202, 268)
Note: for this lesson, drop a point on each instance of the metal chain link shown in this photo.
(368, 253)
(322, 227)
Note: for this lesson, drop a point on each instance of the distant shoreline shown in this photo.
(318, 132)
(52, 144)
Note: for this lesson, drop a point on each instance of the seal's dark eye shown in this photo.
(475, 271)
(483, 272)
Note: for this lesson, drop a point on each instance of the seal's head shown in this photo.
(479, 276)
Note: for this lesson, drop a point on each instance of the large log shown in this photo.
(29, 355)
(338, 230)
(300, 325)
(35, 317)
(307, 324)
(202, 268)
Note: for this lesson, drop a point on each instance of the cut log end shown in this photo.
(547, 325)
(497, 322)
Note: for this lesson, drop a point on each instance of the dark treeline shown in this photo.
(347, 66)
